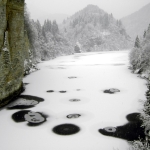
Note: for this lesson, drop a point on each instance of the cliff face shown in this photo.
(12, 49)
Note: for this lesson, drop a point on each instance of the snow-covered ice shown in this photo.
(93, 73)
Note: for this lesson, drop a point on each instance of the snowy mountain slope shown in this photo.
(136, 23)
(95, 30)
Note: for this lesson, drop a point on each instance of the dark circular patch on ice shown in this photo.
(50, 91)
(111, 91)
(78, 89)
(130, 131)
(74, 100)
(29, 97)
(133, 117)
(25, 101)
(35, 118)
(62, 91)
(72, 77)
(19, 116)
(71, 116)
(66, 129)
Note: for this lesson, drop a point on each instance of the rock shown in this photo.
(11, 49)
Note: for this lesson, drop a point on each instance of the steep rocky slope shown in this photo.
(12, 49)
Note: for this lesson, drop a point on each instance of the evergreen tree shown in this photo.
(144, 34)
(77, 49)
(148, 30)
(106, 20)
(49, 25)
(137, 42)
(55, 29)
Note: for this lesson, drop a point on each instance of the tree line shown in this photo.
(46, 42)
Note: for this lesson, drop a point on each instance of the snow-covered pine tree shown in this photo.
(148, 30)
(55, 29)
(144, 35)
(77, 48)
(137, 42)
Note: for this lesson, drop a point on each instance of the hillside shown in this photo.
(95, 30)
(43, 16)
(137, 22)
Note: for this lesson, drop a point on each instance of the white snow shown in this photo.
(95, 72)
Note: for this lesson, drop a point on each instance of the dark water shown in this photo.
(19, 116)
(66, 129)
(50, 91)
(130, 131)
(33, 118)
(62, 91)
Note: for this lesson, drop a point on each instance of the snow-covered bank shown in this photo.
(94, 72)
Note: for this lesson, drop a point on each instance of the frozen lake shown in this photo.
(82, 77)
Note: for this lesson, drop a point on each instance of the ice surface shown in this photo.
(95, 73)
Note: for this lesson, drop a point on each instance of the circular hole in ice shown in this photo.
(19, 116)
(78, 89)
(50, 91)
(72, 77)
(66, 129)
(71, 116)
(62, 91)
(74, 100)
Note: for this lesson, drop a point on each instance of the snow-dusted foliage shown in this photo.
(140, 61)
(46, 42)
(140, 54)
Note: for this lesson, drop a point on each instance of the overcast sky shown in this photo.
(119, 8)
